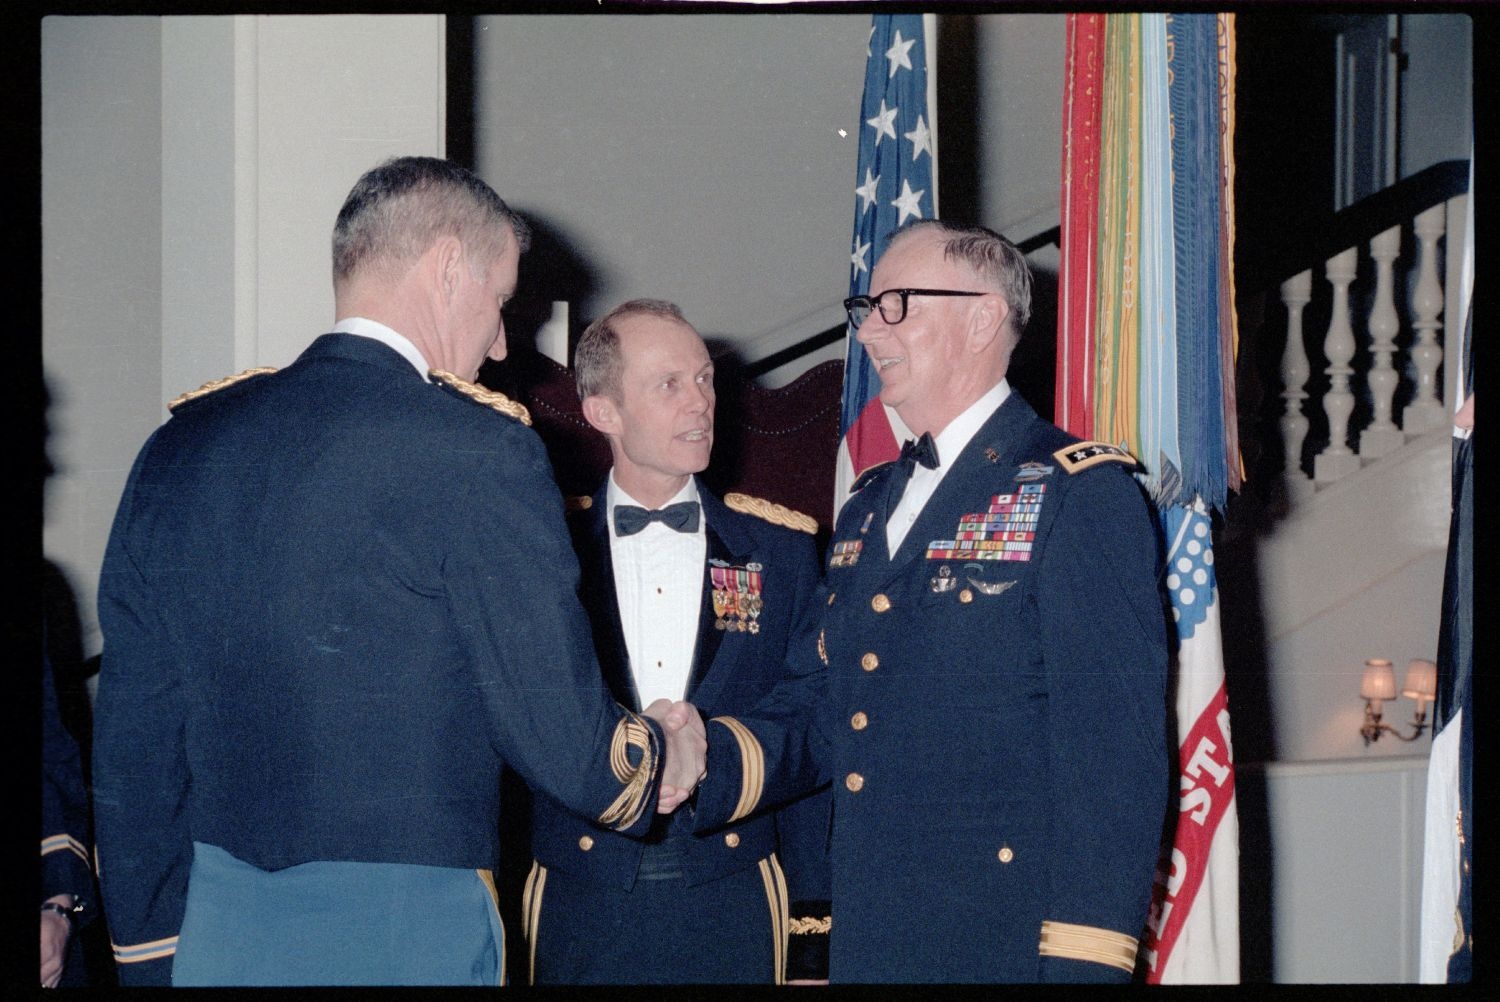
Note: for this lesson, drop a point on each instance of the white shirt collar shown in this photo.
(950, 442)
(952, 439)
(375, 330)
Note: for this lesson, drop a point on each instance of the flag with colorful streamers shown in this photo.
(1146, 343)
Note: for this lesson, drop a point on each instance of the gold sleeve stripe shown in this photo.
(810, 926)
(57, 843)
(752, 766)
(216, 384)
(495, 401)
(775, 881)
(531, 910)
(772, 512)
(628, 732)
(1086, 942)
(154, 950)
(627, 807)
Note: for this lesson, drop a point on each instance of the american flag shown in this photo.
(896, 182)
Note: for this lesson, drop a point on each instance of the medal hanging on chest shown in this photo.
(737, 597)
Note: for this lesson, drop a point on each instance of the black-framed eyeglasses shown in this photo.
(892, 303)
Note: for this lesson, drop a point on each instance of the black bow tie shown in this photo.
(923, 451)
(630, 519)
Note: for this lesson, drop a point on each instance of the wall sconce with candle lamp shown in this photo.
(1379, 685)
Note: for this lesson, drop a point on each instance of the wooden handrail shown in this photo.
(1310, 247)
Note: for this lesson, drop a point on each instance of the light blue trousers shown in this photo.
(327, 923)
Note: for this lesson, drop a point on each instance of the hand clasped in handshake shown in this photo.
(685, 756)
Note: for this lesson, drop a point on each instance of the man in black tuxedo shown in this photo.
(691, 598)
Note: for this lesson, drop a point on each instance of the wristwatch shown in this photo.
(69, 912)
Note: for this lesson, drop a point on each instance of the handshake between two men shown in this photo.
(685, 757)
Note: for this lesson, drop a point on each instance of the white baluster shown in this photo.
(1382, 436)
(1295, 293)
(1337, 459)
(1425, 412)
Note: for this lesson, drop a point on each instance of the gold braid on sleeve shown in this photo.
(630, 732)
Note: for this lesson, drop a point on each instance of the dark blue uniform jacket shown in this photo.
(335, 599)
(996, 728)
(733, 670)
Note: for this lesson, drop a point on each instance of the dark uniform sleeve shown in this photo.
(140, 768)
(778, 751)
(65, 854)
(1103, 641)
(512, 583)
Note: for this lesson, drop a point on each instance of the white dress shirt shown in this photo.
(659, 589)
(374, 329)
(949, 442)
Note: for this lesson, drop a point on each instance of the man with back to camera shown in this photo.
(335, 599)
(696, 598)
(996, 653)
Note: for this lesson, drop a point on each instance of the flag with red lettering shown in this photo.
(1193, 936)
(896, 183)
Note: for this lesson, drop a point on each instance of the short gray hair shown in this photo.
(596, 361)
(994, 258)
(399, 208)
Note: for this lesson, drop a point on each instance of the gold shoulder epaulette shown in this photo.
(217, 384)
(1081, 455)
(772, 512)
(495, 401)
(578, 502)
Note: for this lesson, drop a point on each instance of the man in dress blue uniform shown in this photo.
(697, 598)
(335, 599)
(995, 713)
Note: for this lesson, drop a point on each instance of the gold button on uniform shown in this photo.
(859, 721)
(1005, 854)
(869, 662)
(855, 782)
(880, 603)
(732, 839)
(966, 596)
(586, 843)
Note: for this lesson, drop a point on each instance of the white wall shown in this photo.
(191, 172)
(700, 158)
(1437, 90)
(704, 159)
(1345, 873)
(101, 278)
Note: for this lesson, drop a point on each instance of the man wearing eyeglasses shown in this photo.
(996, 658)
(690, 597)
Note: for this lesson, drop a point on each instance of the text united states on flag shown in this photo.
(896, 183)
